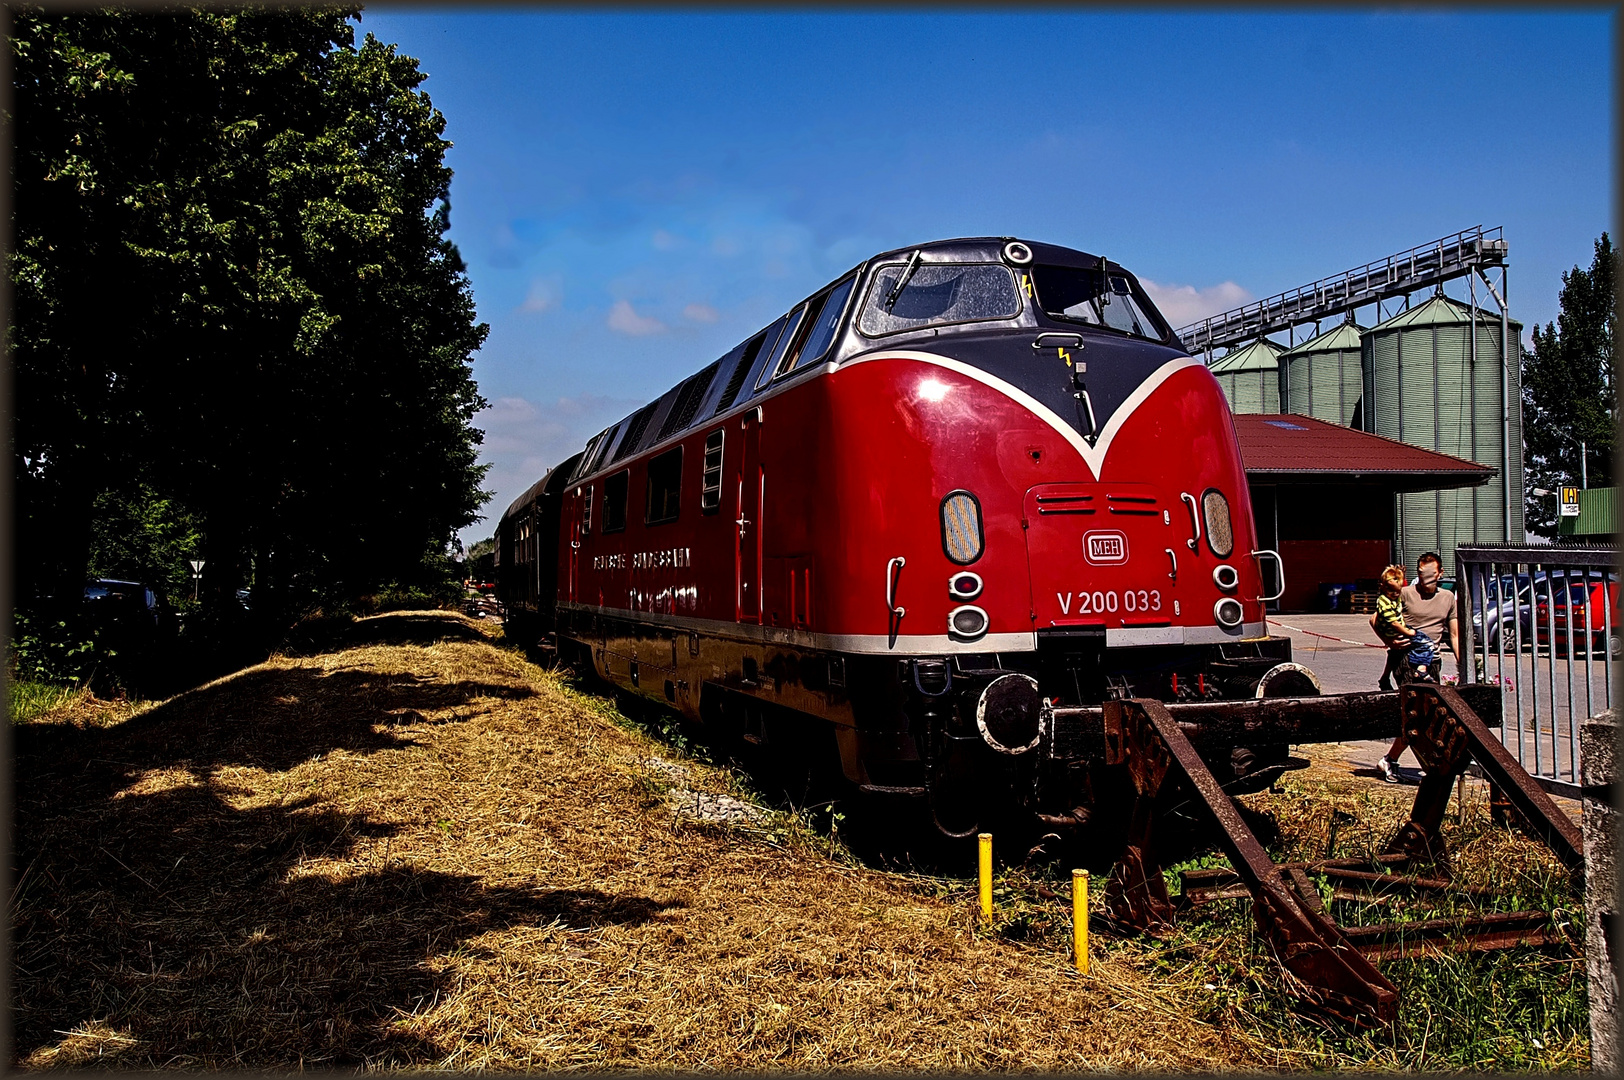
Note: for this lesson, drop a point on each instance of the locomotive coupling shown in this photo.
(1010, 714)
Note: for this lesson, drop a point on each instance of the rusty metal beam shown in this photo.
(1445, 733)
(1143, 735)
(1242, 722)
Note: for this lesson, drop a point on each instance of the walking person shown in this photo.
(1425, 609)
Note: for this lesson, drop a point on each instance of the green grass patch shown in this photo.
(27, 701)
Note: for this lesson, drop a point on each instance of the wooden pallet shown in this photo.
(1363, 603)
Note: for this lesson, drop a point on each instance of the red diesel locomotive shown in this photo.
(964, 482)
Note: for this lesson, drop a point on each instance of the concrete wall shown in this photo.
(1598, 755)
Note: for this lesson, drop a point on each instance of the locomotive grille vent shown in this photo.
(688, 399)
(1220, 529)
(710, 490)
(736, 380)
(1136, 505)
(1064, 504)
(634, 431)
(961, 527)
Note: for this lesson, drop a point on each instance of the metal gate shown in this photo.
(1542, 623)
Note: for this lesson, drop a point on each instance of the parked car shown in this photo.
(1497, 605)
(1542, 607)
(131, 617)
(1566, 604)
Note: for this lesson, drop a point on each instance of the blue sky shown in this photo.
(636, 192)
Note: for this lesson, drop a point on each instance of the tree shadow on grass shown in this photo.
(270, 718)
(392, 628)
(157, 902)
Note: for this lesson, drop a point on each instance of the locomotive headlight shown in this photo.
(1228, 613)
(964, 585)
(1226, 577)
(1220, 531)
(961, 527)
(967, 622)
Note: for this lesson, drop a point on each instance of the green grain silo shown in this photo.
(1251, 377)
(1323, 377)
(1425, 384)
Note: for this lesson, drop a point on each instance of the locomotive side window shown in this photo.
(590, 463)
(664, 488)
(936, 294)
(614, 501)
(586, 510)
(791, 326)
(1077, 294)
(824, 315)
(710, 490)
(589, 456)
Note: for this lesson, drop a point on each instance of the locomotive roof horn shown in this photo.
(1017, 253)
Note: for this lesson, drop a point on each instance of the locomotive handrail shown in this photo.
(1044, 341)
(1195, 518)
(891, 568)
(1280, 565)
(1093, 424)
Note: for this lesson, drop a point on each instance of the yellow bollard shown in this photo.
(1079, 919)
(986, 876)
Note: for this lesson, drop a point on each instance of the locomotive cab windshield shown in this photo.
(1101, 299)
(937, 294)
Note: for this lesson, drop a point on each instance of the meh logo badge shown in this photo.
(1105, 548)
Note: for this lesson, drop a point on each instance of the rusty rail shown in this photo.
(1334, 964)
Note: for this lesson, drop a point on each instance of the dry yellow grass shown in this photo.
(420, 851)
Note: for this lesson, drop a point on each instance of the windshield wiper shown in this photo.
(902, 282)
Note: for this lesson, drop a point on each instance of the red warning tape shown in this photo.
(1327, 637)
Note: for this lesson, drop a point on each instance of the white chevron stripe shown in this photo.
(1094, 456)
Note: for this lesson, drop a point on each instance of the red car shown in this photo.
(1577, 599)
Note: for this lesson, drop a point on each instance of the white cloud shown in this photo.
(701, 313)
(624, 318)
(544, 295)
(1184, 304)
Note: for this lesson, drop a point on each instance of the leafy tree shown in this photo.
(481, 564)
(138, 535)
(1570, 389)
(238, 320)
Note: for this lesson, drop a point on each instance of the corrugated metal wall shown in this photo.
(1323, 378)
(1422, 386)
(1255, 391)
(1250, 377)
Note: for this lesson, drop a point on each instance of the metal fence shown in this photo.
(1542, 623)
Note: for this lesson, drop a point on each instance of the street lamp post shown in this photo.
(197, 573)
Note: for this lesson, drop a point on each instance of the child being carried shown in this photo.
(1390, 626)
